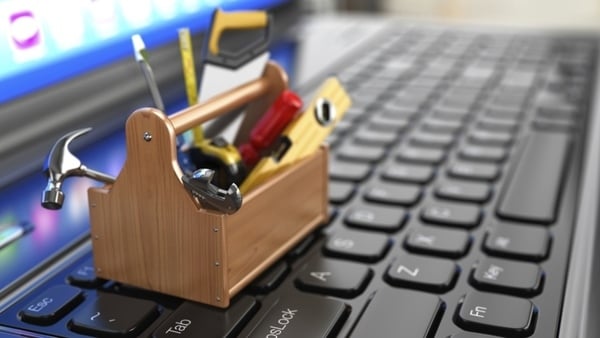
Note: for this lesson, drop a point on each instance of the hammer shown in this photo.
(60, 164)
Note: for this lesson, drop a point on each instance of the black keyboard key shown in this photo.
(376, 217)
(474, 171)
(393, 193)
(505, 276)
(434, 140)
(334, 277)
(271, 278)
(479, 153)
(387, 123)
(424, 273)
(532, 193)
(298, 315)
(114, 315)
(453, 214)
(51, 305)
(85, 275)
(196, 320)
(371, 137)
(496, 314)
(360, 153)
(441, 126)
(400, 313)
(471, 335)
(553, 125)
(302, 247)
(340, 192)
(420, 155)
(348, 171)
(463, 191)
(357, 245)
(438, 241)
(412, 173)
(523, 242)
(495, 124)
(490, 138)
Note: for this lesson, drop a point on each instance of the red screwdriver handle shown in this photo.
(270, 126)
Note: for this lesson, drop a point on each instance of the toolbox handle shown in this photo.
(223, 103)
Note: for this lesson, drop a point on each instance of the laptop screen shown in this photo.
(46, 42)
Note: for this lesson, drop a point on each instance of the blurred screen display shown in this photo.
(45, 42)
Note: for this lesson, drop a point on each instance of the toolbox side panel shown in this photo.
(275, 217)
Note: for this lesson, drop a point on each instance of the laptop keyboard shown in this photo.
(453, 182)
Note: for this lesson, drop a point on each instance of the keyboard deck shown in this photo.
(453, 181)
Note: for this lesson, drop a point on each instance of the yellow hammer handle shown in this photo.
(234, 20)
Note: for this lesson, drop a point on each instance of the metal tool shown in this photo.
(60, 164)
(219, 155)
(227, 66)
(211, 196)
(303, 136)
(141, 56)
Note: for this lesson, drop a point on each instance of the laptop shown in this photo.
(463, 181)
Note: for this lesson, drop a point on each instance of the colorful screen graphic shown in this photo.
(45, 42)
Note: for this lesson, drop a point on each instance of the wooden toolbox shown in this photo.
(149, 232)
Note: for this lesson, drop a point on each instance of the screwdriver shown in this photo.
(141, 56)
(270, 126)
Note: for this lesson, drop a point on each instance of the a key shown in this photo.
(496, 314)
(334, 277)
(84, 275)
(442, 126)
(438, 241)
(504, 276)
(298, 315)
(490, 138)
(437, 140)
(450, 213)
(420, 155)
(348, 171)
(376, 217)
(471, 335)
(51, 305)
(271, 278)
(424, 273)
(550, 125)
(377, 138)
(463, 190)
(384, 123)
(519, 241)
(532, 192)
(340, 192)
(495, 124)
(116, 315)
(302, 247)
(411, 173)
(360, 153)
(192, 319)
(357, 245)
(474, 171)
(393, 193)
(480, 153)
(415, 314)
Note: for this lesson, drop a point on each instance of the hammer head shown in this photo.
(60, 164)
